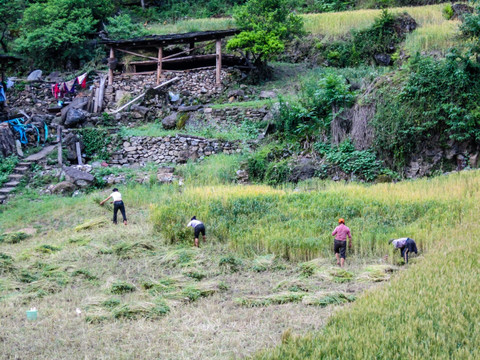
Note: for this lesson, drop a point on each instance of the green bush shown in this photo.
(122, 27)
(437, 102)
(447, 11)
(7, 165)
(96, 141)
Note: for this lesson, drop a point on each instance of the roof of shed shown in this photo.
(170, 39)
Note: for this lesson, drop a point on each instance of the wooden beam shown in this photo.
(101, 93)
(218, 58)
(137, 54)
(79, 153)
(159, 65)
(142, 95)
(59, 139)
(110, 70)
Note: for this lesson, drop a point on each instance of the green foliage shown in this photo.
(322, 6)
(362, 163)
(447, 11)
(122, 287)
(7, 165)
(437, 102)
(14, 237)
(96, 141)
(265, 25)
(122, 27)
(470, 28)
(269, 164)
(54, 31)
(10, 14)
(230, 262)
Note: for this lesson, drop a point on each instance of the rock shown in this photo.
(238, 94)
(77, 177)
(459, 10)
(54, 77)
(96, 164)
(267, 94)
(75, 117)
(64, 187)
(302, 170)
(383, 59)
(35, 75)
(189, 108)
(170, 122)
(473, 160)
(69, 142)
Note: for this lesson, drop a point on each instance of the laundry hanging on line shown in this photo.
(68, 87)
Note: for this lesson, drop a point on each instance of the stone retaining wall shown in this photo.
(168, 149)
(235, 114)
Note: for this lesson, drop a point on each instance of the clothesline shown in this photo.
(68, 87)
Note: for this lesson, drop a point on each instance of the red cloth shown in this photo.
(341, 232)
(56, 91)
(82, 80)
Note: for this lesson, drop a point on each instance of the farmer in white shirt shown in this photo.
(117, 205)
(198, 227)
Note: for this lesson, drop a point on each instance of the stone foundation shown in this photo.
(168, 149)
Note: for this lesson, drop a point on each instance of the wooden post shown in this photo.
(110, 70)
(59, 138)
(101, 93)
(159, 64)
(19, 148)
(79, 153)
(218, 60)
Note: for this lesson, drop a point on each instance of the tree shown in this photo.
(265, 25)
(10, 13)
(55, 31)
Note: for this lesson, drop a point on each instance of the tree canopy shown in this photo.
(56, 30)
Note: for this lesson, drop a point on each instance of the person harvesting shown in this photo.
(117, 205)
(198, 228)
(341, 233)
(405, 245)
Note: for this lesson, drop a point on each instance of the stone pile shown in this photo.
(168, 149)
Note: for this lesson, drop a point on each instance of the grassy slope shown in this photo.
(428, 312)
(434, 32)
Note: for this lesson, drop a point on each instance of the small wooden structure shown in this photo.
(182, 60)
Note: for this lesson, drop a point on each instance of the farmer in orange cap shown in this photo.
(340, 243)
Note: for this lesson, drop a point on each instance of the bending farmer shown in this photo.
(406, 246)
(117, 205)
(340, 243)
(198, 227)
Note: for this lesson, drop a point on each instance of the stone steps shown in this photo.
(6, 190)
(20, 169)
(15, 177)
(11, 184)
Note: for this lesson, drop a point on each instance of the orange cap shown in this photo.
(341, 221)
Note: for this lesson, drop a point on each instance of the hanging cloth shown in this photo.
(70, 86)
(3, 97)
(56, 91)
(82, 80)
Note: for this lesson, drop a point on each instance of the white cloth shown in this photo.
(116, 196)
(399, 243)
(194, 223)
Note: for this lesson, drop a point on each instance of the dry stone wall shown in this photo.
(235, 114)
(167, 149)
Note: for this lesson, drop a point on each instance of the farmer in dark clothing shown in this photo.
(406, 246)
(198, 227)
(117, 205)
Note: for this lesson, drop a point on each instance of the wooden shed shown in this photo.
(182, 60)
